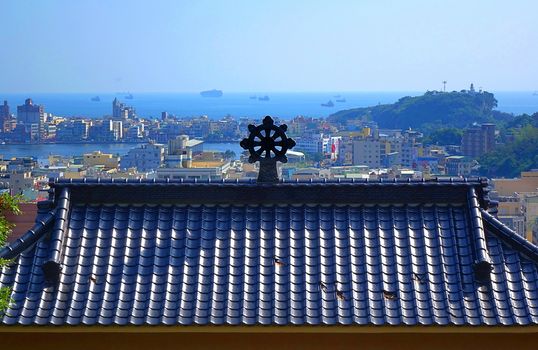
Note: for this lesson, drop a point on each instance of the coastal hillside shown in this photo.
(519, 154)
(431, 110)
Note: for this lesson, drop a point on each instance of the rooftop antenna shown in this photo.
(444, 85)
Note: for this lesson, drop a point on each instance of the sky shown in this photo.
(257, 45)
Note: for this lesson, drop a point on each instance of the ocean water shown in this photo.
(42, 151)
(283, 105)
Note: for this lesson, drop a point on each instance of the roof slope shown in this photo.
(331, 261)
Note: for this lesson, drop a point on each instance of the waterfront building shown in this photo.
(30, 113)
(32, 117)
(4, 116)
(478, 140)
(135, 133)
(101, 131)
(200, 127)
(72, 131)
(116, 127)
(144, 158)
(49, 131)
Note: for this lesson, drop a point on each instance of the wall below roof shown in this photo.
(23, 222)
(272, 341)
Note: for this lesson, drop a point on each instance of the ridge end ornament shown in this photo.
(267, 143)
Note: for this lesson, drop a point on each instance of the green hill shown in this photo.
(510, 159)
(429, 111)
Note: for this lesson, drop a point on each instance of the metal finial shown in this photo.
(267, 143)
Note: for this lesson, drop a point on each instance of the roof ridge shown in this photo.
(52, 267)
(31, 236)
(437, 180)
(510, 237)
(482, 265)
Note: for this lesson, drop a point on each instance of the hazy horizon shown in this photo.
(165, 46)
(255, 92)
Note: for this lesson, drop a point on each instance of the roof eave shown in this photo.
(327, 329)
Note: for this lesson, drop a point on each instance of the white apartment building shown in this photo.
(144, 158)
(309, 144)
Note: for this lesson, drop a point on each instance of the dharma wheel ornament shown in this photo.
(267, 143)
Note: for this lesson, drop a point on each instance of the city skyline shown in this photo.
(60, 46)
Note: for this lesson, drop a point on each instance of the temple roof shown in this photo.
(298, 253)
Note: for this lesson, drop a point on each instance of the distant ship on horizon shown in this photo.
(341, 100)
(264, 98)
(535, 93)
(328, 104)
(211, 93)
(129, 96)
(96, 99)
(253, 97)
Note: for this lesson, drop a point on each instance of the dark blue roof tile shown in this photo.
(301, 263)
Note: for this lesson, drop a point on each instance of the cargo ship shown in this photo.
(211, 93)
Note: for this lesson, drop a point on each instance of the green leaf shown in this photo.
(5, 299)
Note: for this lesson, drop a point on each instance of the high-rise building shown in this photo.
(121, 111)
(117, 128)
(30, 113)
(4, 116)
(488, 135)
(478, 140)
(32, 117)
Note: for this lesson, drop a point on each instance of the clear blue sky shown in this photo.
(254, 45)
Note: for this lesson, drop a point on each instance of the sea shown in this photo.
(42, 151)
(283, 105)
(237, 104)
